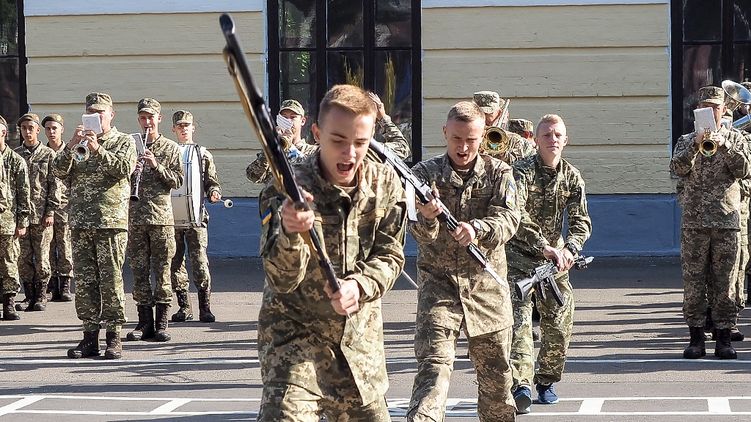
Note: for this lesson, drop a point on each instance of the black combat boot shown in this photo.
(53, 287)
(28, 302)
(204, 303)
(736, 334)
(40, 295)
(184, 313)
(145, 328)
(696, 348)
(709, 326)
(89, 346)
(9, 313)
(114, 346)
(65, 295)
(161, 321)
(723, 349)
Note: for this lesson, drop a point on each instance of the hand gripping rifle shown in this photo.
(544, 276)
(425, 194)
(260, 118)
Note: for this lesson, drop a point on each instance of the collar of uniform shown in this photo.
(363, 188)
(108, 134)
(452, 176)
(31, 150)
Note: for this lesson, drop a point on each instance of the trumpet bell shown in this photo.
(81, 152)
(495, 141)
(736, 94)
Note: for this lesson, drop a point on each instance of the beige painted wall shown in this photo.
(174, 58)
(604, 68)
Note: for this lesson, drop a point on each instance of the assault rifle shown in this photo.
(544, 276)
(425, 194)
(260, 118)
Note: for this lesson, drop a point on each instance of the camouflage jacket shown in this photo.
(258, 171)
(99, 186)
(45, 189)
(154, 206)
(709, 192)
(445, 270)
(209, 178)
(545, 194)
(61, 214)
(363, 235)
(15, 193)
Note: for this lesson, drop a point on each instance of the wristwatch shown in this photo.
(574, 250)
(479, 231)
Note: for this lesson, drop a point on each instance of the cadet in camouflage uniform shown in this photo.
(455, 292)
(197, 238)
(549, 187)
(61, 263)
(710, 198)
(314, 359)
(34, 260)
(523, 128)
(492, 105)
(151, 241)
(258, 170)
(98, 217)
(15, 207)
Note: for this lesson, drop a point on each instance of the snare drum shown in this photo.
(187, 200)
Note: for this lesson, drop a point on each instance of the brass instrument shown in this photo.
(707, 147)
(495, 141)
(136, 186)
(735, 95)
(81, 151)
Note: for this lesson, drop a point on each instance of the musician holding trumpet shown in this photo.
(151, 244)
(710, 194)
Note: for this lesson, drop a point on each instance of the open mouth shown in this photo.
(344, 167)
(462, 155)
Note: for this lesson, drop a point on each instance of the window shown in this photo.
(12, 60)
(711, 43)
(374, 44)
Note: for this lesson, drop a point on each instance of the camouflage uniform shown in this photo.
(545, 194)
(98, 217)
(34, 264)
(61, 261)
(151, 242)
(16, 207)
(710, 198)
(456, 293)
(490, 102)
(313, 360)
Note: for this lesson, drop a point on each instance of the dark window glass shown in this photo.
(701, 67)
(11, 80)
(8, 28)
(742, 20)
(344, 23)
(297, 76)
(9, 93)
(702, 20)
(393, 84)
(297, 19)
(741, 63)
(393, 25)
(345, 68)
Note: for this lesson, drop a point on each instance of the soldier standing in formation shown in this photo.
(99, 225)
(493, 106)
(197, 238)
(34, 261)
(710, 198)
(14, 219)
(455, 293)
(322, 352)
(549, 187)
(523, 128)
(151, 241)
(61, 263)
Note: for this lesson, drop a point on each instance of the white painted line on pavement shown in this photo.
(16, 405)
(719, 405)
(113, 398)
(591, 406)
(106, 413)
(171, 405)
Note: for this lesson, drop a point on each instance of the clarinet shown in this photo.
(135, 187)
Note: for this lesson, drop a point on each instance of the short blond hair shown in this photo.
(549, 118)
(348, 98)
(465, 111)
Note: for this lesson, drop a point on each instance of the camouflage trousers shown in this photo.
(151, 247)
(197, 239)
(740, 284)
(9, 250)
(331, 391)
(556, 326)
(61, 252)
(435, 350)
(34, 260)
(98, 268)
(709, 262)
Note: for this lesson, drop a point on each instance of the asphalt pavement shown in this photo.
(625, 360)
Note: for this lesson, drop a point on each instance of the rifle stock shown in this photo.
(260, 118)
(544, 276)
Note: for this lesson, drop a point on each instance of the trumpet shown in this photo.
(707, 147)
(495, 141)
(81, 151)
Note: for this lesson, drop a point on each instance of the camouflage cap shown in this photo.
(293, 106)
(488, 101)
(28, 117)
(3, 123)
(746, 85)
(149, 105)
(711, 94)
(520, 126)
(98, 101)
(54, 117)
(182, 116)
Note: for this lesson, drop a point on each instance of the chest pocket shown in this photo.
(366, 230)
(329, 229)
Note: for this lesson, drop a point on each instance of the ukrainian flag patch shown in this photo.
(266, 216)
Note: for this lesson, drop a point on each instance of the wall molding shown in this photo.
(430, 4)
(120, 7)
